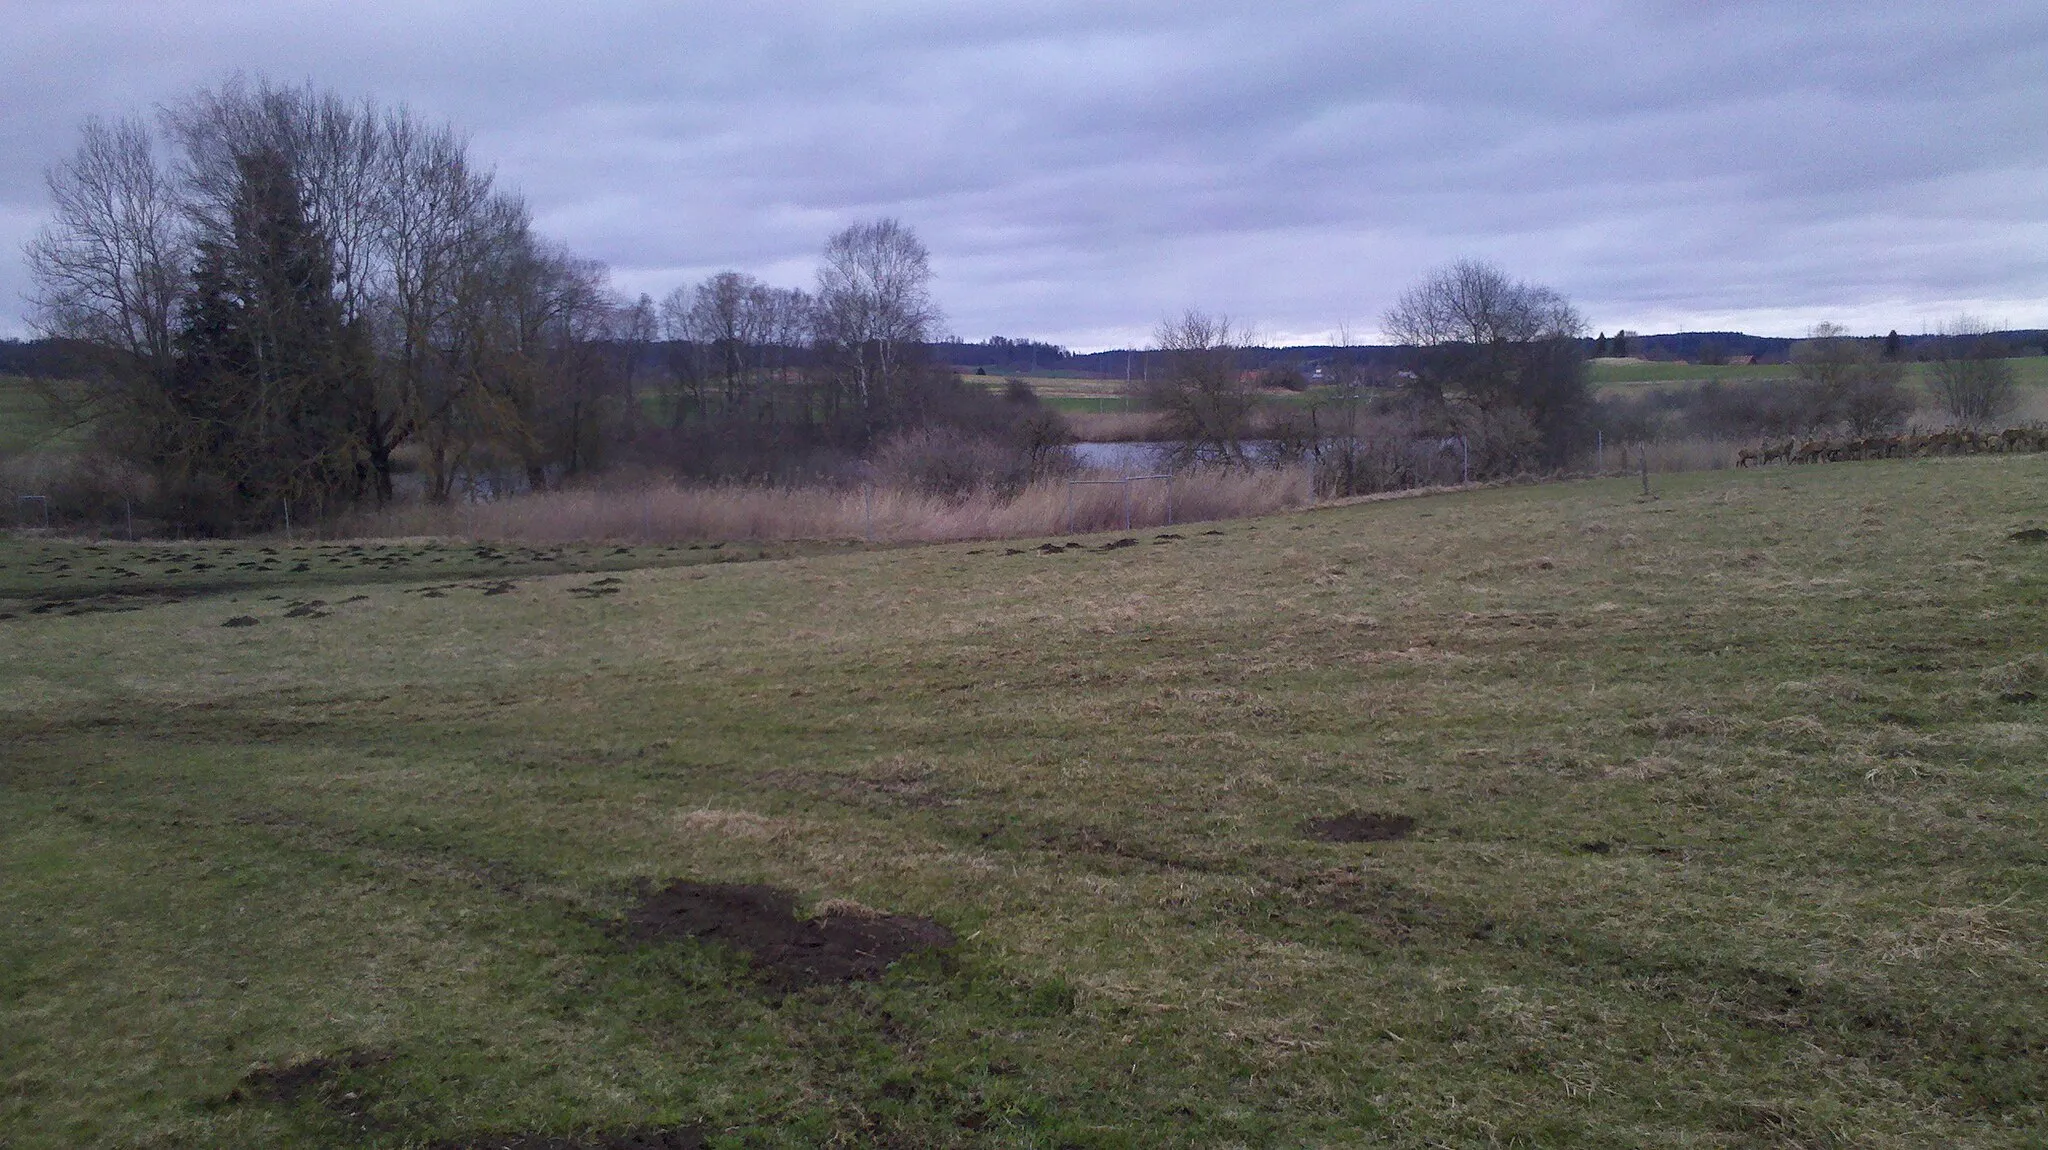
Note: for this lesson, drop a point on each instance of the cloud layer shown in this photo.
(1080, 169)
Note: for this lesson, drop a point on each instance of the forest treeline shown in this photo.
(271, 297)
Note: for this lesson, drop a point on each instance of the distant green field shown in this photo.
(24, 420)
(2029, 372)
(1611, 374)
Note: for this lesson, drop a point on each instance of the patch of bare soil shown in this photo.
(903, 789)
(89, 604)
(292, 1081)
(681, 1138)
(1360, 827)
(1386, 908)
(785, 950)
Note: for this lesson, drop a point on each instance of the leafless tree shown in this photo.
(1496, 341)
(109, 268)
(874, 306)
(1206, 403)
(1848, 382)
(1969, 375)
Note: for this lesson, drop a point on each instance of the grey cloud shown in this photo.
(1080, 169)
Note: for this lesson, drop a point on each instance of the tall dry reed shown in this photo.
(669, 513)
(1117, 426)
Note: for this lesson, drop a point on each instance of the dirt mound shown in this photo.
(1360, 827)
(682, 1138)
(761, 920)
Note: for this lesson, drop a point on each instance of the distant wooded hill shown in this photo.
(55, 358)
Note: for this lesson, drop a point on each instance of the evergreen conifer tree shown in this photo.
(260, 410)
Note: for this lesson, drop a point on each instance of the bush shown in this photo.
(956, 464)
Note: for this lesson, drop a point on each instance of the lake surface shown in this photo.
(1148, 458)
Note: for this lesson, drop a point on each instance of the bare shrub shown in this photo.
(949, 463)
(1386, 452)
(1969, 375)
(80, 488)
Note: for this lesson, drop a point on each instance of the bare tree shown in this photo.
(875, 308)
(1496, 341)
(1206, 403)
(1848, 382)
(1969, 375)
(109, 268)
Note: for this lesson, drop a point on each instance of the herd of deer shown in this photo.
(1954, 441)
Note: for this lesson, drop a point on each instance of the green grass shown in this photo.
(2030, 373)
(1608, 374)
(24, 417)
(1729, 832)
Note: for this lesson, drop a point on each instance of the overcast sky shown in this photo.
(1081, 169)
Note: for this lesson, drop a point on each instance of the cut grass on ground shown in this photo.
(1727, 831)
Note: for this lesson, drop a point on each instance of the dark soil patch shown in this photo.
(891, 790)
(1597, 847)
(785, 950)
(680, 1138)
(294, 1080)
(2029, 535)
(1389, 911)
(1360, 827)
(1118, 544)
(239, 621)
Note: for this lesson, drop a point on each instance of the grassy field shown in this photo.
(2029, 373)
(24, 417)
(1086, 395)
(1727, 831)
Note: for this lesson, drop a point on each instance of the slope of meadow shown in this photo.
(1727, 830)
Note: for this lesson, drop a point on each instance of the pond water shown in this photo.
(1146, 458)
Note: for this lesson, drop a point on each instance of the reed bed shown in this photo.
(665, 513)
(1117, 426)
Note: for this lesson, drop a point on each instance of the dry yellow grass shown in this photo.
(668, 513)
